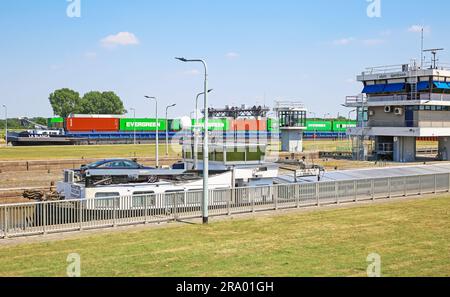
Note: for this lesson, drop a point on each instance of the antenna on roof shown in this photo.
(421, 50)
(434, 52)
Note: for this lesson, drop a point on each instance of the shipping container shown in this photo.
(175, 125)
(215, 124)
(55, 123)
(92, 125)
(142, 124)
(273, 125)
(342, 126)
(249, 125)
(314, 125)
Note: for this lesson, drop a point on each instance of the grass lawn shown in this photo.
(412, 237)
(86, 151)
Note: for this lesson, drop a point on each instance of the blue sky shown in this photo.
(258, 51)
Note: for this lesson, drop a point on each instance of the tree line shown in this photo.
(66, 101)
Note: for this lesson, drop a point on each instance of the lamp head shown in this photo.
(182, 59)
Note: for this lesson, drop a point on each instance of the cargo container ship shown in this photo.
(118, 129)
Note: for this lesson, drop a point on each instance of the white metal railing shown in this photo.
(289, 105)
(76, 215)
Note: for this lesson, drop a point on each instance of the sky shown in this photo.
(257, 51)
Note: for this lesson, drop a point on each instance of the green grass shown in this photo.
(412, 238)
(86, 151)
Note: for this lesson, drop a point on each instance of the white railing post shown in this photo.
(405, 190)
(373, 189)
(275, 197)
(336, 192)
(317, 195)
(448, 188)
(229, 202)
(252, 197)
(389, 188)
(80, 213)
(297, 195)
(5, 225)
(355, 189)
(435, 184)
(44, 217)
(146, 209)
(174, 204)
(420, 185)
(114, 213)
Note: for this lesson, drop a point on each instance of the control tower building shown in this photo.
(399, 104)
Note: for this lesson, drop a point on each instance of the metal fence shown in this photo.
(76, 215)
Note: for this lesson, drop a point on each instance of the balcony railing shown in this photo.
(361, 100)
(406, 124)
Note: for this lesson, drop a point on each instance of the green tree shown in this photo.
(64, 102)
(101, 103)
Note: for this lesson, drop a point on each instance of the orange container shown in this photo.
(249, 125)
(92, 124)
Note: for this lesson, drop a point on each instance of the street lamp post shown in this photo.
(157, 129)
(134, 125)
(197, 129)
(315, 131)
(350, 112)
(6, 123)
(205, 142)
(167, 129)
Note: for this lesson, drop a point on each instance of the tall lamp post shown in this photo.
(6, 123)
(205, 140)
(157, 129)
(134, 125)
(197, 129)
(167, 129)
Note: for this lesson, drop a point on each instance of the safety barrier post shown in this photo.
(114, 213)
(275, 194)
(44, 218)
(317, 195)
(80, 213)
(252, 197)
(448, 189)
(175, 213)
(146, 209)
(435, 184)
(420, 185)
(389, 188)
(404, 187)
(336, 192)
(373, 189)
(5, 223)
(297, 195)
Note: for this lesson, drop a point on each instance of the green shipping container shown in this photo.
(342, 126)
(273, 125)
(322, 126)
(142, 125)
(55, 123)
(175, 125)
(215, 124)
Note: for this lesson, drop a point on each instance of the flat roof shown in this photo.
(369, 173)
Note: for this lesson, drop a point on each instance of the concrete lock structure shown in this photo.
(398, 105)
(292, 122)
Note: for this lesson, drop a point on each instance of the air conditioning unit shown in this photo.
(387, 109)
(371, 113)
(398, 111)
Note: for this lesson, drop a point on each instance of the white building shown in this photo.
(399, 104)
